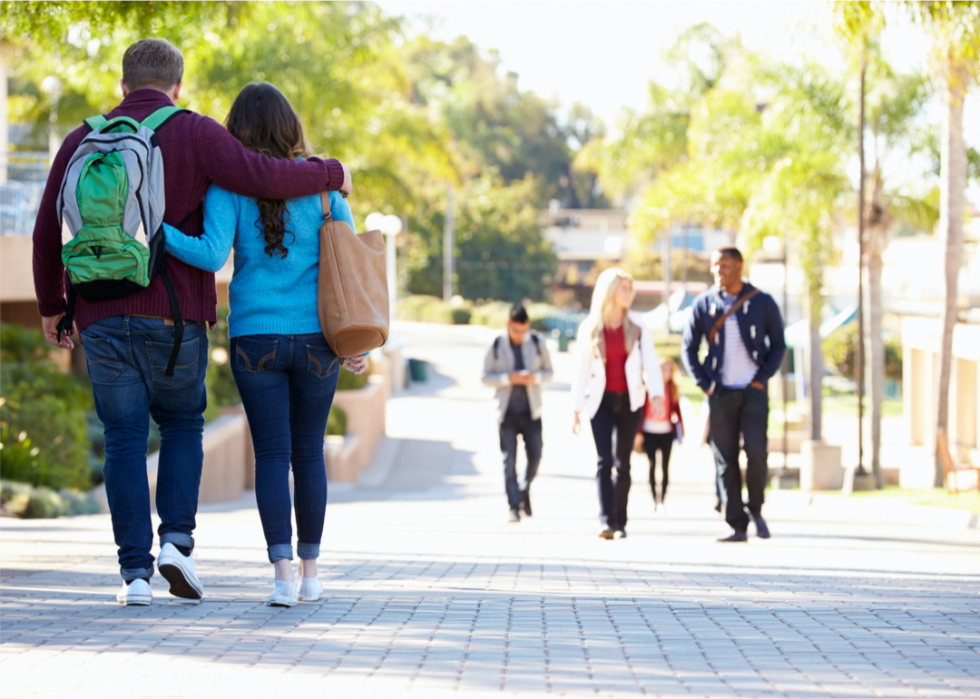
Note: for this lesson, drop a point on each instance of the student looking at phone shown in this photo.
(516, 364)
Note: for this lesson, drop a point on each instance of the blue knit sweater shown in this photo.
(268, 295)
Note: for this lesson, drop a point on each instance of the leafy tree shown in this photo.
(954, 28)
(500, 252)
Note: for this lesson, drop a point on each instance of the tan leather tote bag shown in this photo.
(352, 289)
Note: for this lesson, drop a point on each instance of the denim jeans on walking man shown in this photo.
(614, 416)
(127, 360)
(530, 430)
(735, 412)
(287, 384)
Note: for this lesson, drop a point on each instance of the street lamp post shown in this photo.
(391, 226)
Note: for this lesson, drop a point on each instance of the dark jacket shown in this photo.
(196, 151)
(759, 320)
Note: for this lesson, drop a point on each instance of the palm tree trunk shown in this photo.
(876, 357)
(879, 223)
(816, 371)
(951, 206)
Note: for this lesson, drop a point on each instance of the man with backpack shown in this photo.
(143, 316)
(516, 364)
(744, 333)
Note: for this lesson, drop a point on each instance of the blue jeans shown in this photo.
(735, 412)
(127, 360)
(287, 383)
(613, 428)
(530, 430)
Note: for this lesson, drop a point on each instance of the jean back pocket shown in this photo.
(104, 364)
(186, 368)
(321, 361)
(255, 356)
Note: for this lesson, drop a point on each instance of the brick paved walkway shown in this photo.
(430, 591)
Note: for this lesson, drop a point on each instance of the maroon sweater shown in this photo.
(196, 151)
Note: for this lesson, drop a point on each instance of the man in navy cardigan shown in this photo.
(747, 350)
(125, 339)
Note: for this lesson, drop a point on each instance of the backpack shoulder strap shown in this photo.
(160, 117)
(496, 348)
(97, 122)
(537, 342)
(735, 306)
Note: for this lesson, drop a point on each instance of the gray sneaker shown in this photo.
(515, 516)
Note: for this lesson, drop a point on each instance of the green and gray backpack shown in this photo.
(111, 204)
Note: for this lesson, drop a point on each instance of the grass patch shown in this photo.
(937, 497)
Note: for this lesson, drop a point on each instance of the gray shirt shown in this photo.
(518, 404)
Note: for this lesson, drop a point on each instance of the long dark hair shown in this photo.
(265, 122)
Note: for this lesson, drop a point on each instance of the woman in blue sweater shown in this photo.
(286, 373)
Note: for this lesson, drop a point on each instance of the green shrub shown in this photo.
(78, 503)
(537, 312)
(840, 353)
(43, 428)
(23, 500)
(44, 504)
(425, 309)
(220, 382)
(337, 422)
(493, 314)
(14, 497)
(461, 316)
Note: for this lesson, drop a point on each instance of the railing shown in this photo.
(20, 195)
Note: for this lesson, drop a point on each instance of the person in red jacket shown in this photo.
(658, 431)
(128, 340)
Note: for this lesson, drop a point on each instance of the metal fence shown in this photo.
(20, 195)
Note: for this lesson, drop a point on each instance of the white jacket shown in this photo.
(590, 380)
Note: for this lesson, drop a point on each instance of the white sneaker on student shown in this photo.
(178, 569)
(310, 590)
(135, 593)
(284, 595)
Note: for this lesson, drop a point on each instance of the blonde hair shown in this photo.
(603, 297)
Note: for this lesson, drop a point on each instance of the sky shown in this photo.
(604, 54)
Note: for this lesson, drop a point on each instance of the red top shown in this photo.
(196, 151)
(673, 411)
(615, 361)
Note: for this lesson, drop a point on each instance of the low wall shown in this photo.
(365, 410)
(227, 460)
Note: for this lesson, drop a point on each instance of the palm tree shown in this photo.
(894, 102)
(954, 28)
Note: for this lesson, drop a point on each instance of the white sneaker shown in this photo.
(310, 590)
(137, 592)
(178, 569)
(284, 594)
(661, 510)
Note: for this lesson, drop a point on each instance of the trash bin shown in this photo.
(563, 341)
(419, 370)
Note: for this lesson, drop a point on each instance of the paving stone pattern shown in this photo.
(430, 592)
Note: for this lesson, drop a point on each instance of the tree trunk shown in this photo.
(951, 204)
(875, 363)
(879, 223)
(816, 371)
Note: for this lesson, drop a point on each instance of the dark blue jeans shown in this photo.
(613, 428)
(735, 412)
(530, 430)
(127, 360)
(287, 383)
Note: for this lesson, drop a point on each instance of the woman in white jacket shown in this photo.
(615, 352)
